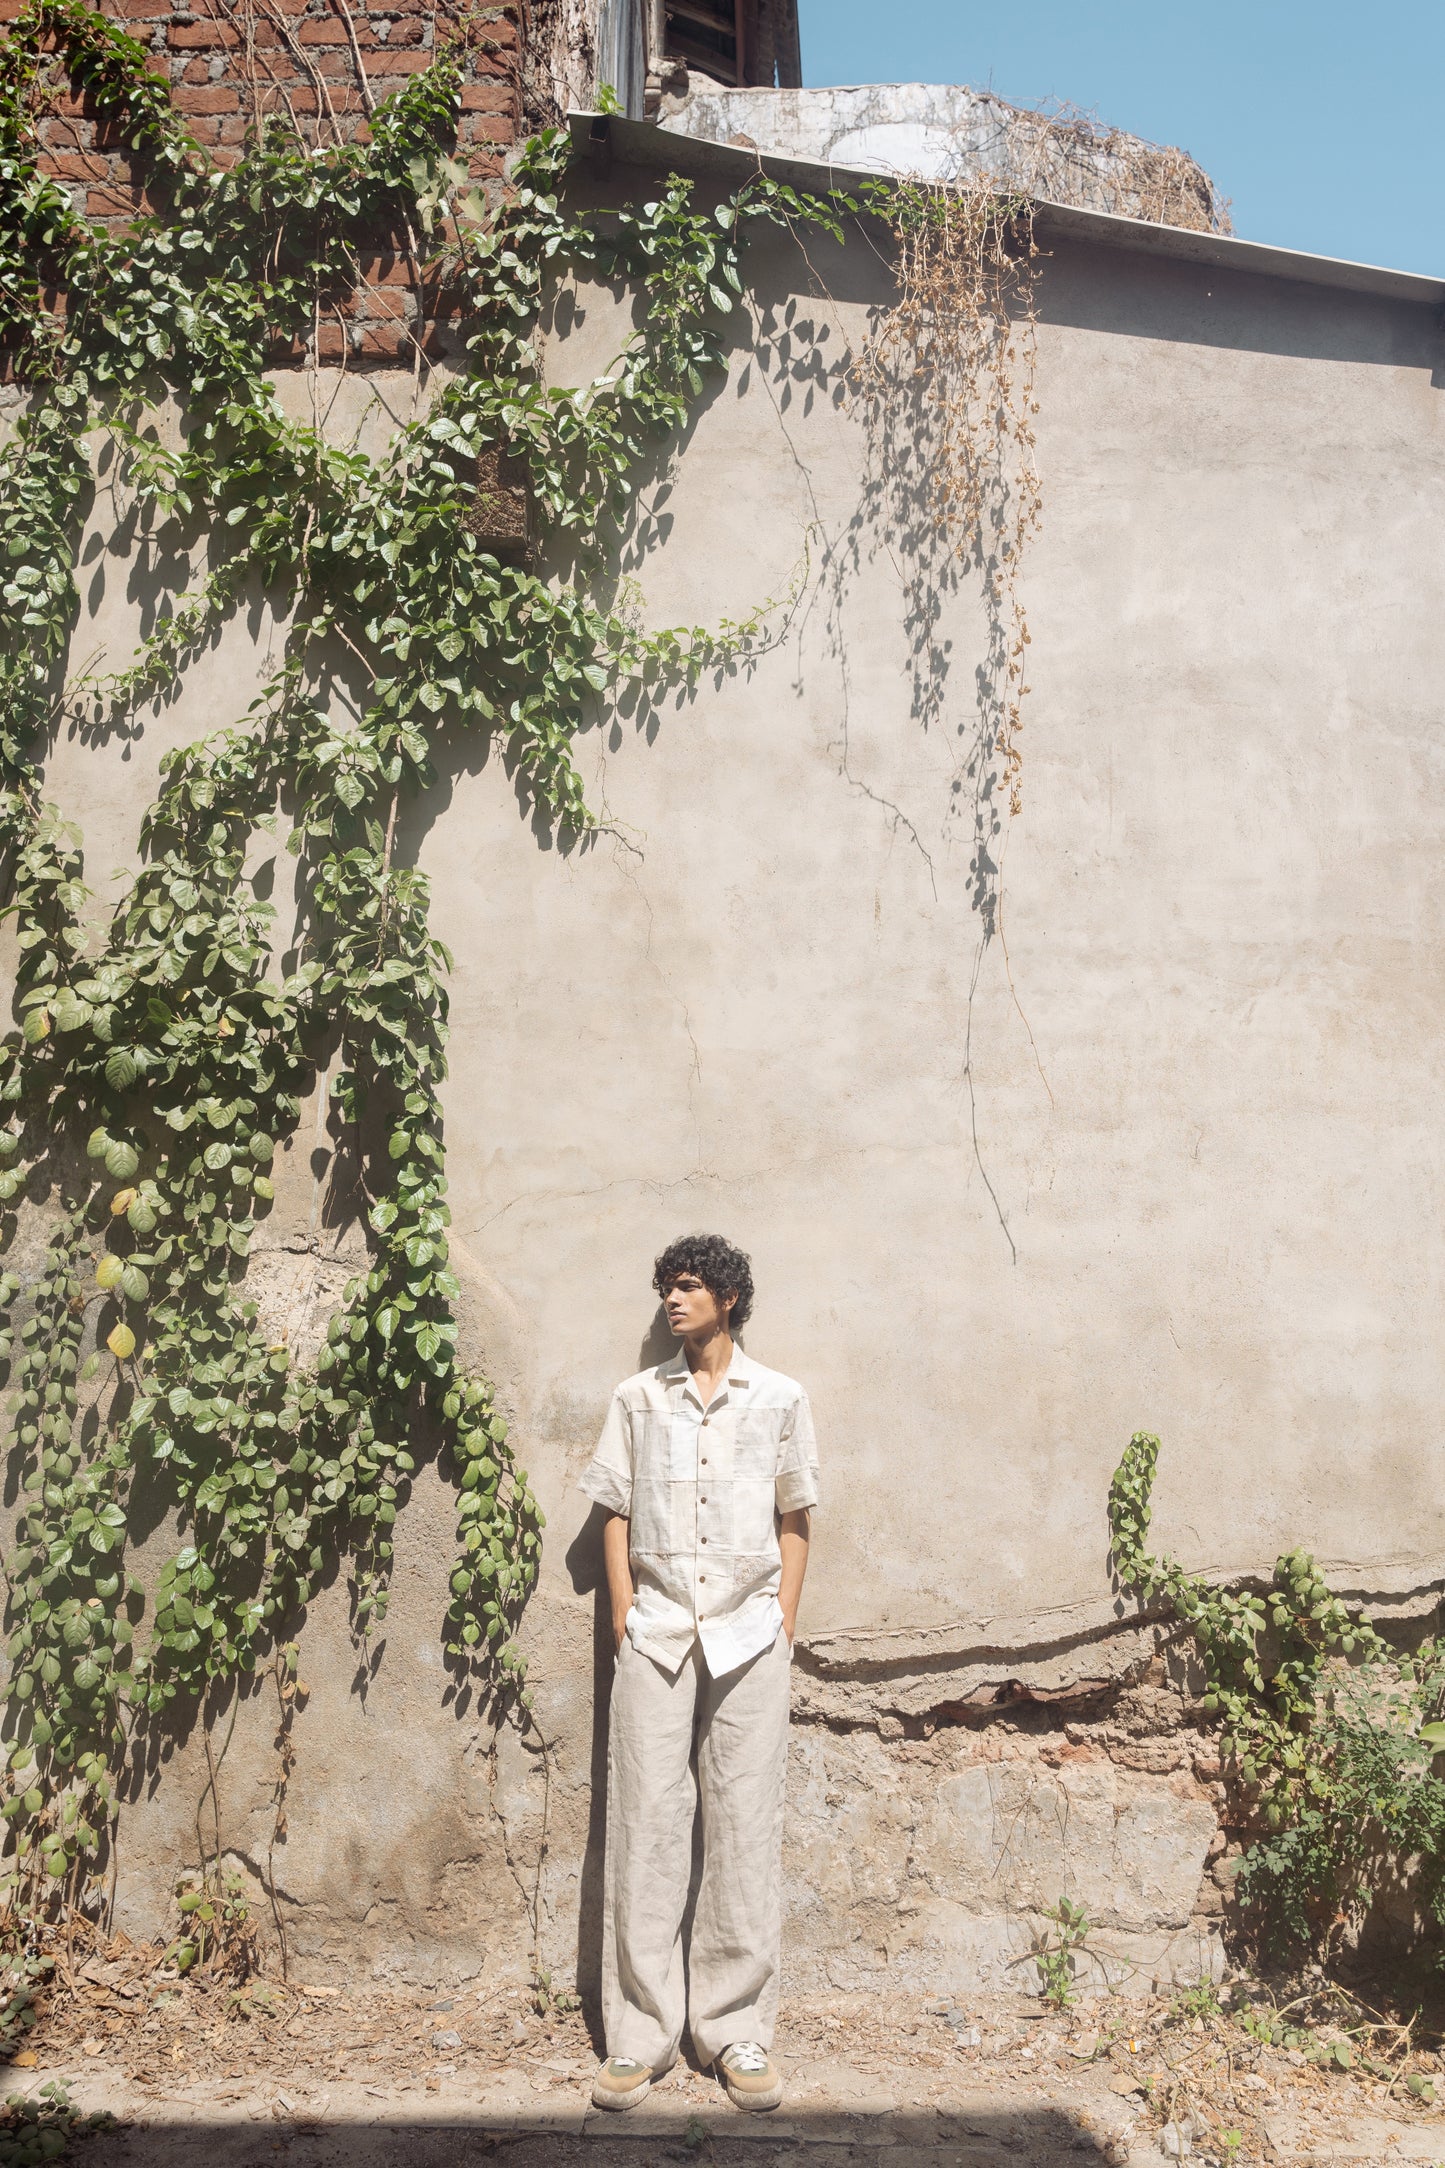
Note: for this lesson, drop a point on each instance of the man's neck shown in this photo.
(708, 1360)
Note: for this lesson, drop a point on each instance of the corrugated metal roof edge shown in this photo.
(640, 142)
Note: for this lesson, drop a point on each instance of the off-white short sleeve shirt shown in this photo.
(702, 1489)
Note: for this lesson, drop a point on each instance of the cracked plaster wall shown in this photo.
(1169, 1161)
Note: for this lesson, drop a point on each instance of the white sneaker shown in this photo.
(751, 2081)
(621, 2083)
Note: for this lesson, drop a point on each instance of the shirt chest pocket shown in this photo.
(664, 1447)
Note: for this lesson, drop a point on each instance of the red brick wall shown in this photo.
(231, 62)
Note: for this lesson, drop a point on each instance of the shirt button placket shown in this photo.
(702, 1577)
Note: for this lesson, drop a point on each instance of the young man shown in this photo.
(707, 1469)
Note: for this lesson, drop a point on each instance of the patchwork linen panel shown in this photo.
(702, 1489)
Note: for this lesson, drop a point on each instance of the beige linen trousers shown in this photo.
(729, 1989)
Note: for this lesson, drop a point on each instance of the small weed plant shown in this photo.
(1200, 2001)
(218, 1931)
(40, 2126)
(1056, 1953)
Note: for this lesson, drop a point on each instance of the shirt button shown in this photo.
(704, 1539)
(704, 1460)
(703, 1500)
(704, 1422)
(702, 1576)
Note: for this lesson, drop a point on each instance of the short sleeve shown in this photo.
(796, 1484)
(607, 1478)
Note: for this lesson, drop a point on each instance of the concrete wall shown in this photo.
(1117, 1114)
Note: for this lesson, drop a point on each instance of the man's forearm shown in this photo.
(616, 1541)
(793, 1535)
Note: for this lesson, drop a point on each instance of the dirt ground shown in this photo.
(199, 2073)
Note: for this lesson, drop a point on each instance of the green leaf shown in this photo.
(120, 1068)
(120, 1162)
(109, 1271)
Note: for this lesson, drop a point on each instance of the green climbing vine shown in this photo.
(1330, 1735)
(163, 1054)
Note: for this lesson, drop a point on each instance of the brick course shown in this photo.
(231, 63)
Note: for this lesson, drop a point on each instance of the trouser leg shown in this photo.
(742, 1760)
(651, 1800)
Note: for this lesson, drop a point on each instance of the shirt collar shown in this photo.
(675, 1371)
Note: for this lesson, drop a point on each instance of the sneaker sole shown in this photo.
(619, 2103)
(754, 2103)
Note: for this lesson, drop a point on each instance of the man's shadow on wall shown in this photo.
(589, 1578)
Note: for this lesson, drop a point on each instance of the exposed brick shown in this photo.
(216, 98)
(368, 304)
(182, 36)
(74, 166)
(113, 201)
(489, 128)
(381, 342)
(373, 330)
(385, 62)
(385, 270)
(367, 345)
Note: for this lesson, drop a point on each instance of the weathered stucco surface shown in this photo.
(1119, 1114)
(947, 132)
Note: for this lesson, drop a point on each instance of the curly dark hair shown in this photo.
(722, 1269)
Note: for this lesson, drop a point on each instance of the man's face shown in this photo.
(693, 1308)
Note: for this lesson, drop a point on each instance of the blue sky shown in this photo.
(1320, 121)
